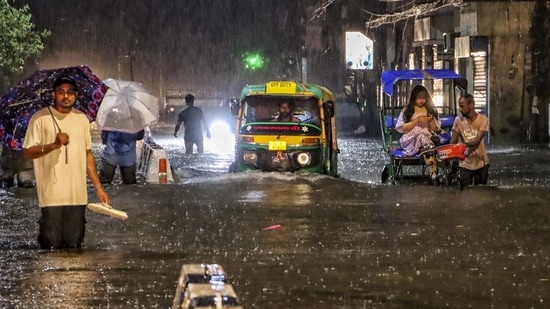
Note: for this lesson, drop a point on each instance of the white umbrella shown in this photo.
(126, 107)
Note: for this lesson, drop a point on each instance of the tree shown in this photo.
(18, 41)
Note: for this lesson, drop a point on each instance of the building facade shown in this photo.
(488, 42)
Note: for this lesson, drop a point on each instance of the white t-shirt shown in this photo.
(61, 174)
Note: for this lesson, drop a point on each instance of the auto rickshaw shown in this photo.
(304, 143)
(445, 87)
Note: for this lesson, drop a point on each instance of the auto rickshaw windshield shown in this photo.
(266, 109)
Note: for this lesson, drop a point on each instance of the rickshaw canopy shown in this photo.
(389, 78)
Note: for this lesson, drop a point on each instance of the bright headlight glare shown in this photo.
(303, 158)
(250, 157)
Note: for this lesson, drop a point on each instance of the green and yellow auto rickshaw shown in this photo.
(268, 139)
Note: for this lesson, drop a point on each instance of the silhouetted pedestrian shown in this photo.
(193, 120)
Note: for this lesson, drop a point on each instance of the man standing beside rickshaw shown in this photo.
(470, 129)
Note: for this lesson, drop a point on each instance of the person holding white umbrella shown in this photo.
(119, 151)
(125, 111)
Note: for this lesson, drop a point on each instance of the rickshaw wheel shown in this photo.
(441, 180)
(232, 168)
(385, 174)
(453, 181)
(436, 180)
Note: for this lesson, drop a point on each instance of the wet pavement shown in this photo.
(347, 242)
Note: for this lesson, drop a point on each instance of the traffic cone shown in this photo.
(163, 175)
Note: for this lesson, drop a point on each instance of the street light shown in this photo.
(253, 61)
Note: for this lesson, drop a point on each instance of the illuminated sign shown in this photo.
(263, 128)
(359, 51)
(280, 87)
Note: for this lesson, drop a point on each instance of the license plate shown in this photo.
(277, 145)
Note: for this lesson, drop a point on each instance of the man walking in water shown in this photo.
(193, 120)
(58, 141)
(470, 129)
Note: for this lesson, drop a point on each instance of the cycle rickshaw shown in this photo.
(445, 87)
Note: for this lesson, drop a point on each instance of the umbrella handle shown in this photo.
(58, 128)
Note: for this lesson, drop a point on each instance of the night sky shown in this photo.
(192, 44)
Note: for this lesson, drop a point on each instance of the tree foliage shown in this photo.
(18, 40)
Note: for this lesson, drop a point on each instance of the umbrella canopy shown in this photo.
(126, 107)
(34, 92)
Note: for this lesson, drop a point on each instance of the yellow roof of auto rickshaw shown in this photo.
(282, 88)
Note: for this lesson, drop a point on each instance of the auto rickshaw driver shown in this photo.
(285, 113)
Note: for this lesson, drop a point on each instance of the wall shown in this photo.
(507, 26)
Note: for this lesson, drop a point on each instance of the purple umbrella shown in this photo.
(33, 93)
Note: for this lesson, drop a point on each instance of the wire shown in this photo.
(409, 10)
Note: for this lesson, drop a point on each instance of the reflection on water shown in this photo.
(253, 196)
(69, 279)
(286, 194)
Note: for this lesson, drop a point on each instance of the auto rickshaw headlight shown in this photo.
(303, 158)
(250, 157)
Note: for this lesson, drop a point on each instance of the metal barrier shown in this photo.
(148, 157)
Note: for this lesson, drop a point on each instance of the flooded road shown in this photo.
(346, 242)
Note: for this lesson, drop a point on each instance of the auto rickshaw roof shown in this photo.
(297, 89)
(389, 78)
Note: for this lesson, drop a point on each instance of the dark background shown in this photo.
(193, 44)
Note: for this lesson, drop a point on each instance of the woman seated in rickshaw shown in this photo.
(417, 122)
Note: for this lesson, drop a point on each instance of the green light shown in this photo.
(253, 61)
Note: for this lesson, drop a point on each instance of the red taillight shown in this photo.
(247, 139)
(311, 141)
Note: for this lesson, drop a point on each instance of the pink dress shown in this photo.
(412, 141)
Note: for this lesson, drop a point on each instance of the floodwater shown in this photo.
(347, 242)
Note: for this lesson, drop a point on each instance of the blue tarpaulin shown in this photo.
(389, 78)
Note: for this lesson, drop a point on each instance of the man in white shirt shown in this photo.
(59, 142)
